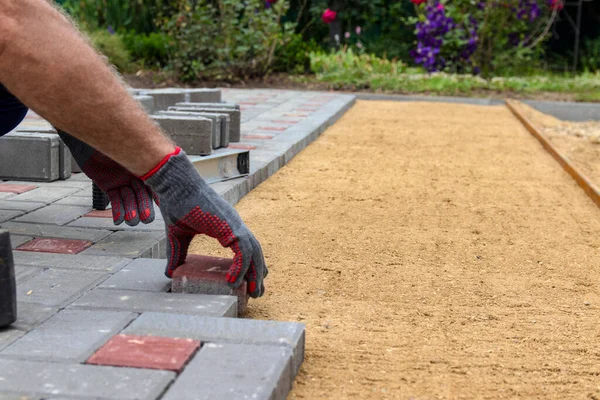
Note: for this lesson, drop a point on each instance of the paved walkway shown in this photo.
(82, 281)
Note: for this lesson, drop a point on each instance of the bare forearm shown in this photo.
(53, 70)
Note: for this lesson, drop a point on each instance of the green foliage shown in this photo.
(590, 55)
(149, 50)
(113, 48)
(226, 39)
(294, 56)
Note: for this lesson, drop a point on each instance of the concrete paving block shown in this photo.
(151, 352)
(54, 245)
(36, 378)
(54, 214)
(18, 240)
(8, 336)
(233, 371)
(46, 194)
(127, 244)
(23, 273)
(234, 115)
(224, 330)
(30, 156)
(193, 135)
(30, 315)
(138, 301)
(70, 262)
(208, 105)
(6, 195)
(164, 98)
(203, 95)
(207, 275)
(147, 102)
(65, 160)
(69, 336)
(53, 231)
(57, 288)
(107, 224)
(26, 206)
(7, 215)
(81, 201)
(142, 274)
(220, 124)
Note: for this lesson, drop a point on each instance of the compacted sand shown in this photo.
(433, 251)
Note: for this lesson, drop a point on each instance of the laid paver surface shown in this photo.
(434, 251)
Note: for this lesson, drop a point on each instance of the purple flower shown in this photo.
(110, 30)
(358, 30)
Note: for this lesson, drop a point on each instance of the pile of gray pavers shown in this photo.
(196, 119)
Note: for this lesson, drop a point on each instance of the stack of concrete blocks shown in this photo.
(193, 134)
(220, 124)
(33, 156)
(232, 110)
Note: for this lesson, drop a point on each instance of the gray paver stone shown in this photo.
(65, 159)
(53, 231)
(147, 102)
(30, 156)
(203, 95)
(221, 124)
(20, 205)
(82, 201)
(233, 371)
(18, 240)
(70, 261)
(6, 215)
(127, 244)
(142, 274)
(57, 288)
(55, 214)
(138, 301)
(30, 315)
(193, 135)
(88, 381)
(46, 194)
(69, 336)
(9, 335)
(23, 273)
(6, 396)
(234, 115)
(164, 98)
(224, 330)
(107, 223)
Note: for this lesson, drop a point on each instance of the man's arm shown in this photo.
(53, 70)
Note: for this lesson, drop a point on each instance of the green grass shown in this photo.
(351, 71)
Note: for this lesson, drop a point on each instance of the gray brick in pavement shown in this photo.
(55, 214)
(87, 381)
(27, 206)
(224, 330)
(57, 288)
(24, 273)
(8, 336)
(46, 194)
(6, 195)
(107, 223)
(144, 274)
(69, 261)
(128, 244)
(69, 336)
(53, 231)
(17, 240)
(233, 371)
(30, 315)
(5, 396)
(81, 201)
(6, 215)
(137, 301)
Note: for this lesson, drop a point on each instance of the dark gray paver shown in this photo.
(176, 303)
(55, 214)
(27, 206)
(31, 156)
(6, 215)
(81, 201)
(69, 261)
(9, 335)
(46, 194)
(107, 223)
(31, 315)
(23, 273)
(53, 231)
(233, 371)
(69, 336)
(88, 381)
(224, 330)
(142, 274)
(57, 288)
(128, 244)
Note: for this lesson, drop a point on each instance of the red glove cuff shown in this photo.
(160, 164)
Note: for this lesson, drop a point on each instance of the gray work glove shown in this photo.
(190, 207)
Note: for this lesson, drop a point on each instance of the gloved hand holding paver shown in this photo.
(52, 69)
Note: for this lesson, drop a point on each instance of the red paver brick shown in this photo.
(99, 214)
(152, 352)
(241, 146)
(53, 245)
(257, 137)
(18, 189)
(206, 275)
(273, 128)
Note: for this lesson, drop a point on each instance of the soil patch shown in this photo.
(433, 251)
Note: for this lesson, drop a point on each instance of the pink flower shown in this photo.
(329, 16)
(417, 2)
(440, 6)
(359, 45)
(347, 35)
(358, 30)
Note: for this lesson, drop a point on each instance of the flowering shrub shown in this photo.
(475, 36)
